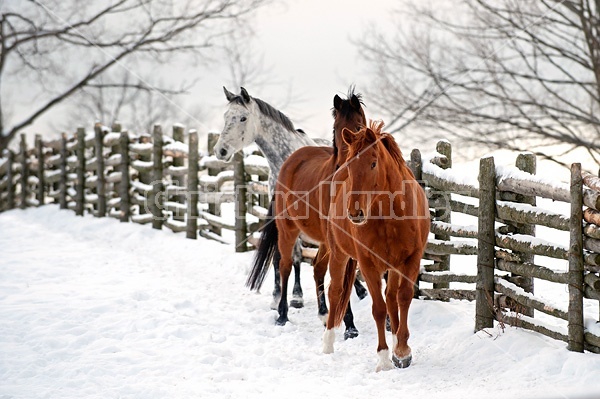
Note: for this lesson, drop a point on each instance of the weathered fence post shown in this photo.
(156, 201)
(62, 186)
(101, 181)
(239, 180)
(527, 163)
(80, 185)
(145, 177)
(24, 172)
(575, 328)
(192, 186)
(116, 128)
(214, 209)
(486, 238)
(39, 149)
(443, 215)
(125, 207)
(178, 161)
(10, 177)
(416, 165)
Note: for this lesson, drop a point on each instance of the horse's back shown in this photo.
(306, 164)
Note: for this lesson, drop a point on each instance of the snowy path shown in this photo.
(97, 309)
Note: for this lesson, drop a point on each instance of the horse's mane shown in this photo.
(386, 139)
(271, 112)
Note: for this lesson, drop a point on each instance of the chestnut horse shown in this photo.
(379, 216)
(301, 203)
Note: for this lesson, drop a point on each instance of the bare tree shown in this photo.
(502, 73)
(51, 50)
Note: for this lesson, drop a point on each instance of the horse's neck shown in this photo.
(277, 143)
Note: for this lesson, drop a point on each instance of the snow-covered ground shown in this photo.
(93, 308)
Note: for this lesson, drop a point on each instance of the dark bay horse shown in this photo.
(378, 215)
(301, 190)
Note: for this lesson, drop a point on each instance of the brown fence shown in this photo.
(148, 179)
(159, 180)
(503, 201)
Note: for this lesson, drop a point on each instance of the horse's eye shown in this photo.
(243, 119)
(373, 165)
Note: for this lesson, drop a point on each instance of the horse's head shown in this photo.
(370, 155)
(347, 114)
(241, 124)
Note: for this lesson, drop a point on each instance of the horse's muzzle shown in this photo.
(358, 218)
(223, 154)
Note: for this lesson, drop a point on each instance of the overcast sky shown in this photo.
(308, 50)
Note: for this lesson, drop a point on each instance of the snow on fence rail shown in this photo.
(159, 180)
(505, 245)
(154, 179)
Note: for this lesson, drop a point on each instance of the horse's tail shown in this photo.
(349, 276)
(266, 250)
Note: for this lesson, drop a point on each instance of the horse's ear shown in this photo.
(348, 136)
(370, 136)
(245, 95)
(355, 101)
(229, 95)
(337, 102)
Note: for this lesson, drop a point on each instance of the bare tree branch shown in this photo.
(68, 47)
(502, 73)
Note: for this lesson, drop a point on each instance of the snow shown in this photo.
(520, 291)
(111, 137)
(451, 175)
(176, 146)
(535, 241)
(94, 308)
(511, 172)
(256, 160)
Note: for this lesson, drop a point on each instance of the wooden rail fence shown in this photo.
(160, 180)
(148, 179)
(503, 199)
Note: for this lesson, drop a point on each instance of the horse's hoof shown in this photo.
(297, 302)
(402, 363)
(281, 321)
(351, 332)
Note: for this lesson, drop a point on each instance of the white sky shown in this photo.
(307, 46)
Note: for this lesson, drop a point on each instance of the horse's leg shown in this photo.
(277, 285)
(388, 324)
(402, 355)
(373, 280)
(351, 330)
(286, 245)
(337, 271)
(391, 301)
(297, 296)
(319, 270)
(361, 291)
